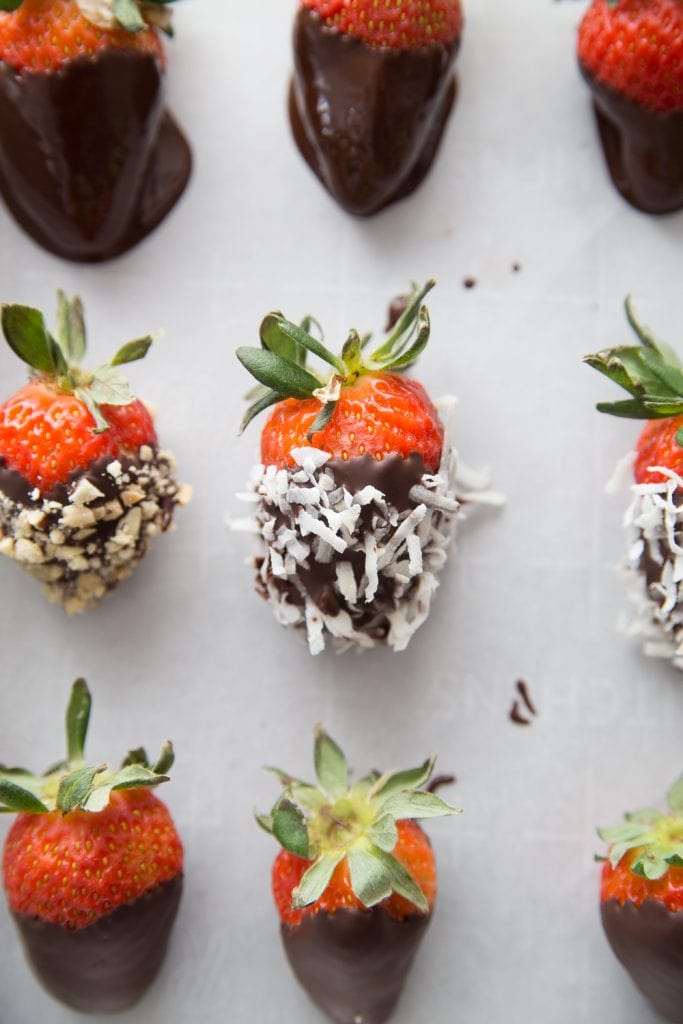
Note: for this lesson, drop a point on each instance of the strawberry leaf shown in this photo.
(265, 821)
(295, 334)
(110, 387)
(85, 395)
(132, 351)
(10, 5)
(16, 798)
(330, 764)
(675, 796)
(395, 782)
(28, 337)
(77, 719)
(402, 881)
(128, 16)
(370, 879)
(137, 756)
(384, 833)
(165, 760)
(70, 327)
(315, 880)
(417, 805)
(288, 379)
(289, 828)
(76, 787)
(322, 419)
(265, 400)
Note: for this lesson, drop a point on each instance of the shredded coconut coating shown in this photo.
(81, 548)
(654, 570)
(352, 569)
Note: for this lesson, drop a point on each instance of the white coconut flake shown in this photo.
(655, 554)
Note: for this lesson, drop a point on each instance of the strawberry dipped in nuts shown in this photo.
(90, 160)
(355, 881)
(355, 494)
(652, 374)
(641, 901)
(83, 483)
(372, 89)
(631, 54)
(92, 870)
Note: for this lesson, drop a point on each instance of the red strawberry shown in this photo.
(652, 374)
(371, 93)
(92, 871)
(355, 883)
(82, 484)
(355, 522)
(90, 161)
(641, 901)
(631, 53)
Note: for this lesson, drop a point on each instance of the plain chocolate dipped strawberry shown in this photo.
(372, 89)
(83, 482)
(92, 869)
(652, 374)
(356, 490)
(641, 901)
(355, 881)
(90, 160)
(631, 54)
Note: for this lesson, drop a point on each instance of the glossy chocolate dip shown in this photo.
(643, 149)
(354, 963)
(648, 940)
(107, 966)
(368, 120)
(90, 162)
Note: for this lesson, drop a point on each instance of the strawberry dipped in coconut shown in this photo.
(652, 374)
(631, 54)
(83, 483)
(356, 491)
(372, 89)
(90, 160)
(641, 901)
(355, 881)
(93, 870)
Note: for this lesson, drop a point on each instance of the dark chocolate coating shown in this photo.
(368, 120)
(354, 963)
(90, 162)
(643, 149)
(109, 965)
(648, 940)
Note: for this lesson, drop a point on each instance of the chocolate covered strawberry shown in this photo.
(355, 492)
(355, 882)
(90, 161)
(631, 54)
(641, 901)
(652, 374)
(371, 93)
(92, 869)
(83, 483)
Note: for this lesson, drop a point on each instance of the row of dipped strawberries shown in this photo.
(91, 162)
(355, 499)
(93, 875)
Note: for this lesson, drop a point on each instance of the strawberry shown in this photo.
(641, 901)
(82, 483)
(652, 374)
(355, 882)
(92, 870)
(631, 54)
(356, 488)
(90, 161)
(371, 93)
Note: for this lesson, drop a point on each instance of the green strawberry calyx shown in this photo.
(72, 784)
(131, 15)
(337, 820)
(651, 372)
(57, 357)
(657, 838)
(280, 364)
